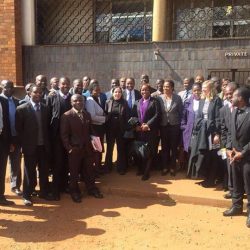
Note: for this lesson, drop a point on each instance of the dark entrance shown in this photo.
(236, 75)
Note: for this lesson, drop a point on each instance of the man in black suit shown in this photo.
(225, 116)
(4, 148)
(41, 81)
(238, 151)
(32, 129)
(15, 149)
(131, 95)
(58, 104)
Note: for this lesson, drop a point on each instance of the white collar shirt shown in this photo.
(133, 95)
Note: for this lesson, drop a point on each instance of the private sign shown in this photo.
(236, 54)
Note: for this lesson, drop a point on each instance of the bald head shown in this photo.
(64, 85)
(77, 102)
(54, 82)
(78, 86)
(41, 81)
(7, 87)
(144, 78)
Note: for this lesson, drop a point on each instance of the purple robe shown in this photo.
(187, 122)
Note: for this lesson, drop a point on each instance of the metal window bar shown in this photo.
(207, 19)
(93, 21)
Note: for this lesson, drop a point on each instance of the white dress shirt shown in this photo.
(132, 94)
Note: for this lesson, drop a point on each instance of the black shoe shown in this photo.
(164, 171)
(76, 197)
(138, 173)
(27, 202)
(35, 193)
(121, 172)
(17, 191)
(57, 196)
(145, 177)
(228, 196)
(233, 211)
(4, 202)
(65, 190)
(207, 184)
(248, 221)
(96, 193)
(48, 197)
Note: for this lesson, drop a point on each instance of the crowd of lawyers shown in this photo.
(61, 130)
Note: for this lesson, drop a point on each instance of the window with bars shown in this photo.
(204, 19)
(93, 21)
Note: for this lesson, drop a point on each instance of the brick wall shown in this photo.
(10, 41)
(106, 61)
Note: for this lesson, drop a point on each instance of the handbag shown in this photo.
(140, 149)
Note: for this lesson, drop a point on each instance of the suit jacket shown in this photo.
(173, 115)
(133, 110)
(151, 118)
(5, 136)
(225, 119)
(45, 94)
(24, 100)
(152, 114)
(123, 114)
(54, 107)
(137, 94)
(75, 133)
(16, 102)
(27, 127)
(239, 138)
(213, 123)
(183, 93)
(103, 99)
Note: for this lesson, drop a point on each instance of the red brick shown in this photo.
(10, 41)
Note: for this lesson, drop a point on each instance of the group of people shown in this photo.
(61, 132)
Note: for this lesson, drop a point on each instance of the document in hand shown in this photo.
(96, 143)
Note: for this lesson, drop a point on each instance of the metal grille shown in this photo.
(237, 75)
(202, 19)
(64, 22)
(90, 21)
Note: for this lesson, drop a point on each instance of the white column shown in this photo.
(28, 22)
